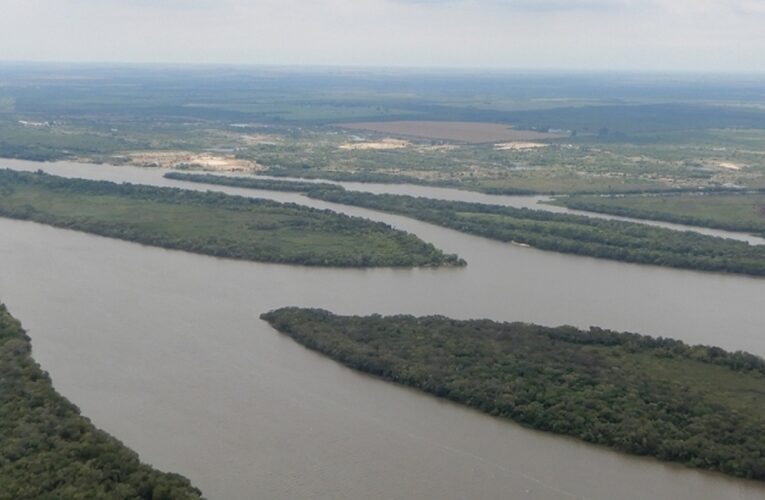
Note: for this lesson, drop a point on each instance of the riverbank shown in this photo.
(697, 405)
(49, 450)
(190, 323)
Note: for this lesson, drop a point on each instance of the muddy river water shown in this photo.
(164, 349)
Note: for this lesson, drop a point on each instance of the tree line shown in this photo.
(49, 450)
(566, 233)
(698, 405)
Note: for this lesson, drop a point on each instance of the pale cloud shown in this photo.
(566, 34)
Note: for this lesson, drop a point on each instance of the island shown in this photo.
(213, 223)
(565, 233)
(697, 405)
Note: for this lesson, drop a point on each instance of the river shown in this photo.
(165, 350)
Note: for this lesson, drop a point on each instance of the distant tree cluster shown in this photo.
(608, 239)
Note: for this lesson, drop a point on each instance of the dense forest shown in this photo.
(609, 239)
(698, 405)
(48, 450)
(575, 234)
(212, 223)
(743, 211)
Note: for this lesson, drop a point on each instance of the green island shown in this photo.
(575, 234)
(250, 182)
(212, 223)
(49, 450)
(697, 405)
(488, 133)
(733, 212)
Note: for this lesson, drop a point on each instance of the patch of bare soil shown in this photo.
(519, 146)
(729, 165)
(382, 144)
(186, 159)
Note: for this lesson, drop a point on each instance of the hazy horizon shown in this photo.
(697, 36)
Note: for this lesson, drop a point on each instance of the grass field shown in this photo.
(470, 132)
(737, 212)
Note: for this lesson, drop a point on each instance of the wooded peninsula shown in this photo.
(698, 405)
(48, 450)
(213, 223)
(575, 234)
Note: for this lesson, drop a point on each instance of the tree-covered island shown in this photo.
(698, 405)
(213, 223)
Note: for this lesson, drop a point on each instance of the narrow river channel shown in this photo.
(165, 350)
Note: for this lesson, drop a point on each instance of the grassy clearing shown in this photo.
(735, 212)
(470, 132)
(699, 405)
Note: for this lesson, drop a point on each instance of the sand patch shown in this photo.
(729, 165)
(186, 159)
(519, 146)
(383, 144)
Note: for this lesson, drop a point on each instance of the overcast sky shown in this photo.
(707, 35)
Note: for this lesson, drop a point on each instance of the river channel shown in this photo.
(164, 349)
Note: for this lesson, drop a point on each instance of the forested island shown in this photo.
(743, 211)
(212, 223)
(250, 182)
(575, 234)
(698, 405)
(48, 450)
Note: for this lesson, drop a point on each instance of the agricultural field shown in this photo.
(460, 132)
(500, 133)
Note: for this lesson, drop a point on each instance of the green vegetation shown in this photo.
(48, 450)
(735, 212)
(251, 182)
(698, 405)
(212, 223)
(609, 134)
(608, 239)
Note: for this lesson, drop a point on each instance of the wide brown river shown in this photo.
(164, 349)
